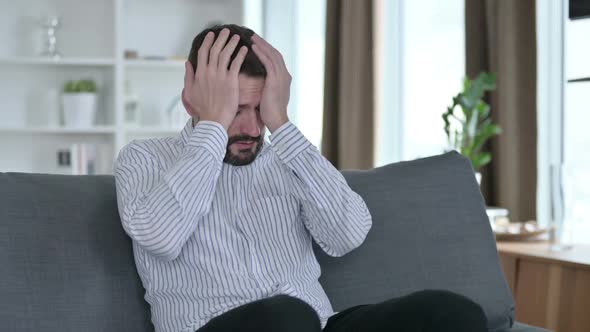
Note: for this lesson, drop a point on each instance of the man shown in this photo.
(222, 222)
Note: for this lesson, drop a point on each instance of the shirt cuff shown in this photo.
(211, 136)
(288, 142)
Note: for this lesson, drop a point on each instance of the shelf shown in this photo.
(146, 130)
(58, 62)
(58, 130)
(90, 62)
(581, 79)
(154, 63)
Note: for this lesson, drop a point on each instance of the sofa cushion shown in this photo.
(67, 264)
(518, 327)
(430, 231)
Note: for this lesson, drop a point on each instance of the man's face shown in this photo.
(246, 133)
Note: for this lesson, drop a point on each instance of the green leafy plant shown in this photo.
(470, 128)
(80, 86)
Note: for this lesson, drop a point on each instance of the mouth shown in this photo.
(244, 144)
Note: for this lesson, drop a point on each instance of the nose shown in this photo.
(249, 123)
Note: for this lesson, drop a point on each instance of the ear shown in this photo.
(189, 109)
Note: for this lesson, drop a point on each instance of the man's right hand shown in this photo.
(212, 92)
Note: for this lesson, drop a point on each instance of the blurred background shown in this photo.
(79, 79)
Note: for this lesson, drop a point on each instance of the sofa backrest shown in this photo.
(67, 264)
(430, 231)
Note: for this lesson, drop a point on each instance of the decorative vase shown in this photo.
(79, 109)
(51, 25)
(132, 116)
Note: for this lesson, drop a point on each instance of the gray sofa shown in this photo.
(67, 265)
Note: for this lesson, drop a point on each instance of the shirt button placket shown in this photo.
(252, 265)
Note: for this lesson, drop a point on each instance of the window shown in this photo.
(563, 194)
(576, 136)
(297, 29)
(423, 64)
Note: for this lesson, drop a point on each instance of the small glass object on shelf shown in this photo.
(132, 116)
(51, 24)
(175, 116)
(570, 186)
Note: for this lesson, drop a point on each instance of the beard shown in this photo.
(243, 156)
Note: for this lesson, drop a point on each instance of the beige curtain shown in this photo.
(501, 38)
(348, 128)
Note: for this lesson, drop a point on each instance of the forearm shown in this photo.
(336, 216)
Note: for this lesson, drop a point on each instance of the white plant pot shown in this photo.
(79, 109)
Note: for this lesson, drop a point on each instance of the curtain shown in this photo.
(501, 38)
(348, 119)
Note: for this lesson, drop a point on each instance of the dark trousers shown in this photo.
(424, 311)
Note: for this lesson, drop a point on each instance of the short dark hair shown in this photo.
(252, 65)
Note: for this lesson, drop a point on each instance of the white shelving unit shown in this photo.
(154, 64)
(59, 130)
(152, 130)
(93, 39)
(59, 62)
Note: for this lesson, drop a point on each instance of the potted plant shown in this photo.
(79, 103)
(471, 127)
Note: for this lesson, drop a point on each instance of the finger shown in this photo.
(263, 44)
(264, 58)
(203, 52)
(259, 40)
(266, 46)
(217, 46)
(272, 52)
(189, 75)
(236, 64)
(228, 50)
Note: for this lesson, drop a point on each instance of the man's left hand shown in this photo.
(276, 92)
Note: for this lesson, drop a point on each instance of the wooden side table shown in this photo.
(551, 289)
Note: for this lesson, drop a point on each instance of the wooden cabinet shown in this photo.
(551, 289)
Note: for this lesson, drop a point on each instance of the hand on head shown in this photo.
(212, 92)
(276, 93)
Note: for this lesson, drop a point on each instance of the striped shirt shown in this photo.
(209, 236)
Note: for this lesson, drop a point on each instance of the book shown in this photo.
(85, 159)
